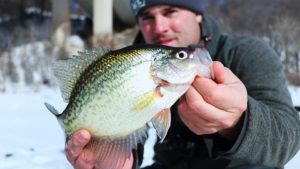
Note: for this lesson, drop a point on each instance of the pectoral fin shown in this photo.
(147, 99)
(161, 123)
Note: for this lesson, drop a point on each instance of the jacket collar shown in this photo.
(211, 29)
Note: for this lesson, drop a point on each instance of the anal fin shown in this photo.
(112, 153)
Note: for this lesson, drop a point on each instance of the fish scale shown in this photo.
(115, 94)
(118, 76)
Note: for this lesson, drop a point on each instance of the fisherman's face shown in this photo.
(170, 26)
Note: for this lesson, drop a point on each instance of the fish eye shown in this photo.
(181, 55)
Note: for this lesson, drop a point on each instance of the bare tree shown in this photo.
(276, 20)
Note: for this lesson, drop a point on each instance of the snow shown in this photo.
(31, 137)
(295, 162)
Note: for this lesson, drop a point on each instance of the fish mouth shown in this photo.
(161, 82)
(164, 86)
(164, 83)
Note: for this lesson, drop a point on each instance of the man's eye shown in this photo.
(170, 12)
(146, 18)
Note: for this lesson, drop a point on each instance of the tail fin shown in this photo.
(52, 109)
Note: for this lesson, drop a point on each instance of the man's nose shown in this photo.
(160, 25)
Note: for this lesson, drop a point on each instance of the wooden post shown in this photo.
(297, 56)
(61, 21)
(61, 11)
(103, 16)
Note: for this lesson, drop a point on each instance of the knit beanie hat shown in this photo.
(139, 5)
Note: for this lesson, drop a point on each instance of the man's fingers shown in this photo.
(129, 162)
(85, 160)
(196, 122)
(76, 144)
(196, 103)
(192, 98)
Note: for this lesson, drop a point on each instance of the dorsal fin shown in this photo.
(68, 71)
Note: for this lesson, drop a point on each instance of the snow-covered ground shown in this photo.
(30, 137)
(295, 162)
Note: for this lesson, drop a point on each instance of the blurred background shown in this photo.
(44, 30)
(34, 33)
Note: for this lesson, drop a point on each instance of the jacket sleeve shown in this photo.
(271, 130)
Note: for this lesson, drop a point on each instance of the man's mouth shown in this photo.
(165, 41)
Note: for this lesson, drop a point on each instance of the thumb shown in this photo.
(219, 72)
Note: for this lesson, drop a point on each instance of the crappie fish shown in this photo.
(114, 94)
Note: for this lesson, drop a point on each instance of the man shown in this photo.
(244, 118)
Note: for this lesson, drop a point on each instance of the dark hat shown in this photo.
(139, 5)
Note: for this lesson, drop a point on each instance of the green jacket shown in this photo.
(271, 129)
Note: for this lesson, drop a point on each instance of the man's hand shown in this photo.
(211, 106)
(82, 158)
